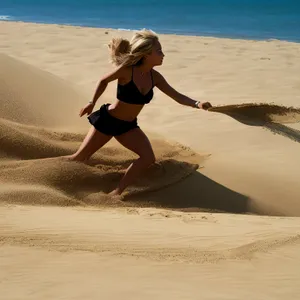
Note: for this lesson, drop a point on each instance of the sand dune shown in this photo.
(164, 241)
(34, 97)
(38, 174)
(35, 137)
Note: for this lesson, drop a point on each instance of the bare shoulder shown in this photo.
(125, 74)
(161, 83)
(120, 73)
(157, 77)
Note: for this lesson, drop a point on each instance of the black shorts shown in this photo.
(109, 125)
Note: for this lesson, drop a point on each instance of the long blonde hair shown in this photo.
(125, 53)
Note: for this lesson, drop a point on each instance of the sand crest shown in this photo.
(270, 116)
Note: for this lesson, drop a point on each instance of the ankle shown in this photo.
(117, 191)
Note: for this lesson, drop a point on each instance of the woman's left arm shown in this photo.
(164, 86)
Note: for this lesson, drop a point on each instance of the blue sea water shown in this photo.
(249, 19)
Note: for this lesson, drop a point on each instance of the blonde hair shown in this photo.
(125, 53)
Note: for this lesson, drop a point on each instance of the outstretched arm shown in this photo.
(164, 86)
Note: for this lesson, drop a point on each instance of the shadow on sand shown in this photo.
(199, 193)
(196, 193)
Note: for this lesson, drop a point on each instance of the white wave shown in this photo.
(124, 29)
(5, 18)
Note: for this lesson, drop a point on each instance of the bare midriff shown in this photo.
(124, 111)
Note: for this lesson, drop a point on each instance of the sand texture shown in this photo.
(216, 217)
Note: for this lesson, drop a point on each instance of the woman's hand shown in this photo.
(205, 105)
(87, 109)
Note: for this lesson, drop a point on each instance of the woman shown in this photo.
(136, 80)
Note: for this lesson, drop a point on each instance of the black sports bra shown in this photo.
(129, 93)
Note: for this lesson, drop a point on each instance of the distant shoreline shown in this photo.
(165, 32)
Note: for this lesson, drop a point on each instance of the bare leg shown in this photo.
(93, 141)
(136, 141)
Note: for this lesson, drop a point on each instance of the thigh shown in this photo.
(97, 137)
(94, 140)
(136, 141)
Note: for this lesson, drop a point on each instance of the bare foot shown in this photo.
(116, 194)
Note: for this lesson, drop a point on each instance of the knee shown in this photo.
(148, 160)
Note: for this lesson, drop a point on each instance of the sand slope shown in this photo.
(34, 138)
(33, 170)
(39, 120)
(240, 157)
(34, 97)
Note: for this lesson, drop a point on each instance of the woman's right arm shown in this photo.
(116, 74)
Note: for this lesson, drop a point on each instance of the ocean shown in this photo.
(247, 19)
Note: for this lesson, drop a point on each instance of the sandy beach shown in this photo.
(217, 216)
